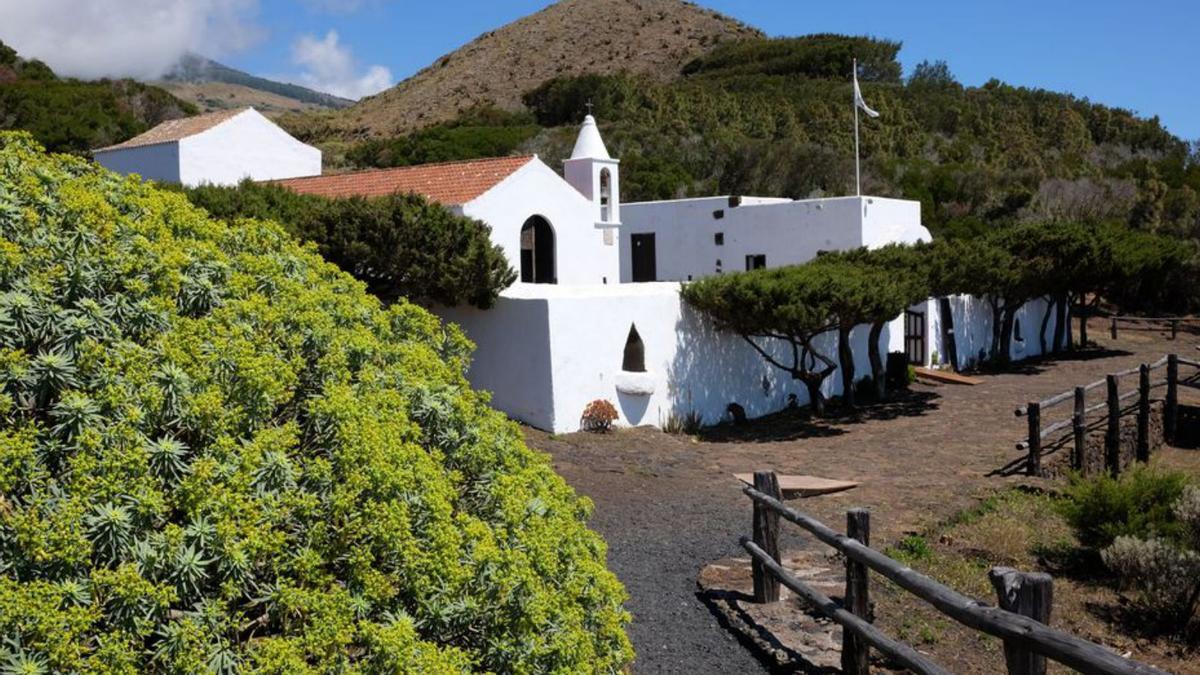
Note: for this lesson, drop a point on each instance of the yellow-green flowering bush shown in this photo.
(217, 452)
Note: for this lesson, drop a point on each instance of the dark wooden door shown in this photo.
(644, 266)
(914, 337)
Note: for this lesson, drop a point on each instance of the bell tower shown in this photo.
(596, 175)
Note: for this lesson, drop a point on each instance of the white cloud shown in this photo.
(330, 67)
(134, 38)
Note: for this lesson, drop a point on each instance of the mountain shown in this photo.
(214, 86)
(747, 114)
(68, 115)
(574, 37)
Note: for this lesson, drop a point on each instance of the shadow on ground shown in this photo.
(793, 424)
(723, 603)
(1038, 364)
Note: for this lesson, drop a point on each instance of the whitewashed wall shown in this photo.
(547, 351)
(972, 320)
(582, 253)
(787, 232)
(247, 145)
(158, 162)
(578, 344)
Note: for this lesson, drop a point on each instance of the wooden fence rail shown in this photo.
(1025, 599)
(1078, 421)
(1173, 322)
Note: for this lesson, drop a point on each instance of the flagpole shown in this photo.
(857, 176)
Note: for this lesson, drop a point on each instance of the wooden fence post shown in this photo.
(766, 535)
(1027, 594)
(1112, 438)
(1143, 418)
(1113, 329)
(1079, 426)
(1171, 408)
(1033, 466)
(856, 656)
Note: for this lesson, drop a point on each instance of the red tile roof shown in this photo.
(448, 183)
(176, 130)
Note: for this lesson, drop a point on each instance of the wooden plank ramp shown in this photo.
(946, 376)
(800, 486)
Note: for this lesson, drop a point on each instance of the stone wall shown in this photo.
(1057, 458)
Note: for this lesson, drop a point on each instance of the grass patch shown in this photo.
(1013, 528)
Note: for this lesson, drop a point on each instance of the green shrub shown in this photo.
(1138, 504)
(1166, 575)
(218, 452)
(912, 548)
(401, 246)
(479, 132)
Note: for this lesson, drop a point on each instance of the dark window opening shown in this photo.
(719, 214)
(719, 239)
(537, 252)
(735, 201)
(635, 353)
(605, 195)
(1017, 330)
(756, 261)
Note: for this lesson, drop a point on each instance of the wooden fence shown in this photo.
(1170, 323)
(1020, 620)
(1114, 406)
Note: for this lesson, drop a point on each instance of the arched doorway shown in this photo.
(537, 252)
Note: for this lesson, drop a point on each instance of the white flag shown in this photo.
(858, 99)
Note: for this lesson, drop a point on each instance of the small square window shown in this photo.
(718, 214)
(756, 261)
(719, 239)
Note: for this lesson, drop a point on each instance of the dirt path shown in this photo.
(667, 505)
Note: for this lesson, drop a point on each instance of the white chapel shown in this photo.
(596, 313)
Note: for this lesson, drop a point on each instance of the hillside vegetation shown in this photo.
(774, 117)
(68, 115)
(218, 453)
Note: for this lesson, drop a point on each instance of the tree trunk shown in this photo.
(846, 363)
(878, 367)
(1062, 325)
(815, 398)
(1051, 304)
(997, 329)
(1006, 330)
(1083, 318)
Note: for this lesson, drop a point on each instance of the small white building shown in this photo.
(684, 239)
(218, 148)
(575, 327)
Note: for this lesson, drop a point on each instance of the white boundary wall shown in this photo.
(547, 351)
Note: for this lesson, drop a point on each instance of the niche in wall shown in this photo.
(634, 360)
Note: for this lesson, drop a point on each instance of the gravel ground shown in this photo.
(667, 505)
